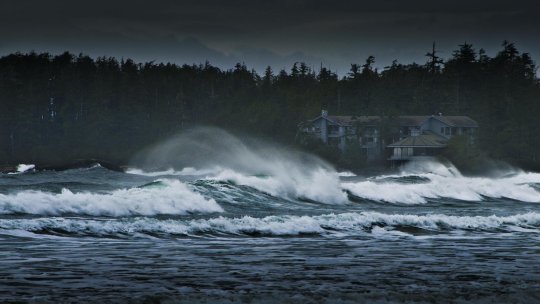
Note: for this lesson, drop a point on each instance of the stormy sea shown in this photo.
(231, 221)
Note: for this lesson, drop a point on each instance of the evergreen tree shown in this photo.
(65, 107)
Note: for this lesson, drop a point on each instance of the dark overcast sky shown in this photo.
(334, 33)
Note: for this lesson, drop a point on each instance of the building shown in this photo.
(405, 137)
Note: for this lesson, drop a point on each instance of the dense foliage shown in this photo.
(65, 107)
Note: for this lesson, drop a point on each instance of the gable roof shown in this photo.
(404, 120)
(457, 121)
(349, 120)
(410, 121)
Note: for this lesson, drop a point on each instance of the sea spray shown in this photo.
(25, 167)
(222, 156)
(318, 185)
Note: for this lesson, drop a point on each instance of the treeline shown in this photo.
(66, 107)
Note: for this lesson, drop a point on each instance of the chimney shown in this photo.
(324, 113)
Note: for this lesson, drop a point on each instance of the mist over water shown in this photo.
(209, 216)
(222, 156)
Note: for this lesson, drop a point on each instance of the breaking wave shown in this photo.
(414, 185)
(285, 225)
(188, 171)
(434, 181)
(22, 168)
(318, 185)
(174, 197)
(214, 154)
(219, 155)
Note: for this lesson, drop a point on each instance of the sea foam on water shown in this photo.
(326, 224)
(214, 154)
(444, 181)
(174, 198)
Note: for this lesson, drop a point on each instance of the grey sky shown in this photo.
(334, 33)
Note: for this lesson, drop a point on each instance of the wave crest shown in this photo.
(440, 181)
(174, 198)
(328, 224)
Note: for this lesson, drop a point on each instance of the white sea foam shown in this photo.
(346, 174)
(174, 198)
(172, 172)
(277, 171)
(349, 223)
(21, 168)
(319, 185)
(218, 155)
(25, 167)
(286, 181)
(445, 182)
(322, 184)
(524, 178)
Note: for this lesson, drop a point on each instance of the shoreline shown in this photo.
(80, 163)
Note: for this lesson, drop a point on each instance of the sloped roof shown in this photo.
(425, 140)
(410, 121)
(457, 121)
(350, 120)
(405, 120)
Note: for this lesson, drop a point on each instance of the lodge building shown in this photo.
(412, 136)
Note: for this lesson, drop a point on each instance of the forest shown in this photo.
(57, 108)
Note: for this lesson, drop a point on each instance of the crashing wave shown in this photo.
(187, 171)
(22, 168)
(175, 198)
(278, 171)
(25, 167)
(318, 185)
(440, 181)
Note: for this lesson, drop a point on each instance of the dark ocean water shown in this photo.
(427, 234)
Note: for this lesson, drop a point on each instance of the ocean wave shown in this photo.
(349, 223)
(346, 174)
(264, 166)
(416, 184)
(318, 185)
(22, 168)
(25, 167)
(187, 171)
(175, 198)
(288, 182)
